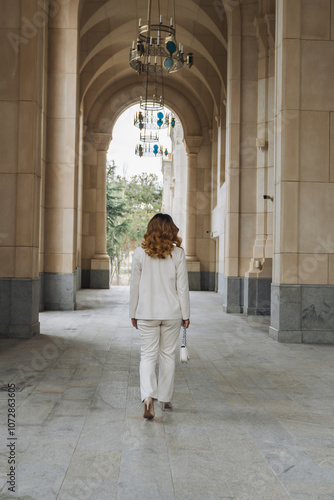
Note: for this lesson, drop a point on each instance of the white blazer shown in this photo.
(159, 288)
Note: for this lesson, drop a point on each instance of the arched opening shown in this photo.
(108, 86)
(135, 185)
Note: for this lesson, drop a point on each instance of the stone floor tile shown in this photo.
(198, 490)
(61, 426)
(50, 449)
(149, 490)
(187, 438)
(251, 419)
(310, 491)
(39, 481)
(91, 489)
(103, 433)
(190, 466)
(36, 408)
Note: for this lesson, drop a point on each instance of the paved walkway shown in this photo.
(252, 419)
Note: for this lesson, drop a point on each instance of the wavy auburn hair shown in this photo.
(161, 236)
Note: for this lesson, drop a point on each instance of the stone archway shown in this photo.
(100, 121)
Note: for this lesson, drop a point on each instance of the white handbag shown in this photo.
(184, 354)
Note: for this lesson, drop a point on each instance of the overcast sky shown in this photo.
(123, 144)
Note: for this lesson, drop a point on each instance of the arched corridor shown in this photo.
(252, 179)
(252, 418)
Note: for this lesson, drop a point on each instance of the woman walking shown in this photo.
(159, 305)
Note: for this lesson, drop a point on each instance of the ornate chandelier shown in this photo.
(150, 121)
(149, 150)
(155, 53)
(156, 49)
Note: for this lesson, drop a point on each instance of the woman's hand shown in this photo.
(185, 323)
(134, 323)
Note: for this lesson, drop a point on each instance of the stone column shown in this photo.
(193, 144)
(257, 283)
(61, 168)
(168, 187)
(100, 264)
(179, 179)
(302, 298)
(232, 282)
(22, 94)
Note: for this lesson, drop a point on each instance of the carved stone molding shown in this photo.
(193, 143)
(100, 140)
(261, 33)
(265, 32)
(270, 22)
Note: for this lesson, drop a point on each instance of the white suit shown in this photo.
(159, 288)
(159, 300)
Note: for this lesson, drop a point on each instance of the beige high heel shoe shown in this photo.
(148, 408)
(167, 406)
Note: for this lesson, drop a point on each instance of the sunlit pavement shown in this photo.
(252, 418)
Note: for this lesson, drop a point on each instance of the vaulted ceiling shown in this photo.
(107, 28)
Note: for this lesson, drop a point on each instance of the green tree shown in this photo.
(130, 205)
(117, 218)
(144, 199)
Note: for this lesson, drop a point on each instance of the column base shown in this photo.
(79, 278)
(19, 331)
(19, 308)
(302, 314)
(232, 295)
(100, 274)
(194, 274)
(99, 279)
(291, 337)
(41, 292)
(60, 291)
(256, 299)
(85, 278)
(250, 296)
(208, 281)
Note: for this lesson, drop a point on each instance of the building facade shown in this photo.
(251, 181)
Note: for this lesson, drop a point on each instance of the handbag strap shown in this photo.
(184, 337)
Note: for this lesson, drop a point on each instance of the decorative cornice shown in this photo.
(265, 32)
(270, 21)
(193, 143)
(261, 33)
(101, 140)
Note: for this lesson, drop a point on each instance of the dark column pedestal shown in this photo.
(99, 279)
(250, 296)
(232, 294)
(19, 308)
(60, 291)
(257, 296)
(302, 313)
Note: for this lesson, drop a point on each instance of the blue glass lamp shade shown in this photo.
(166, 152)
(160, 115)
(168, 62)
(171, 47)
(155, 149)
(173, 122)
(159, 122)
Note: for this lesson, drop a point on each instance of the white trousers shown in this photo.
(158, 338)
